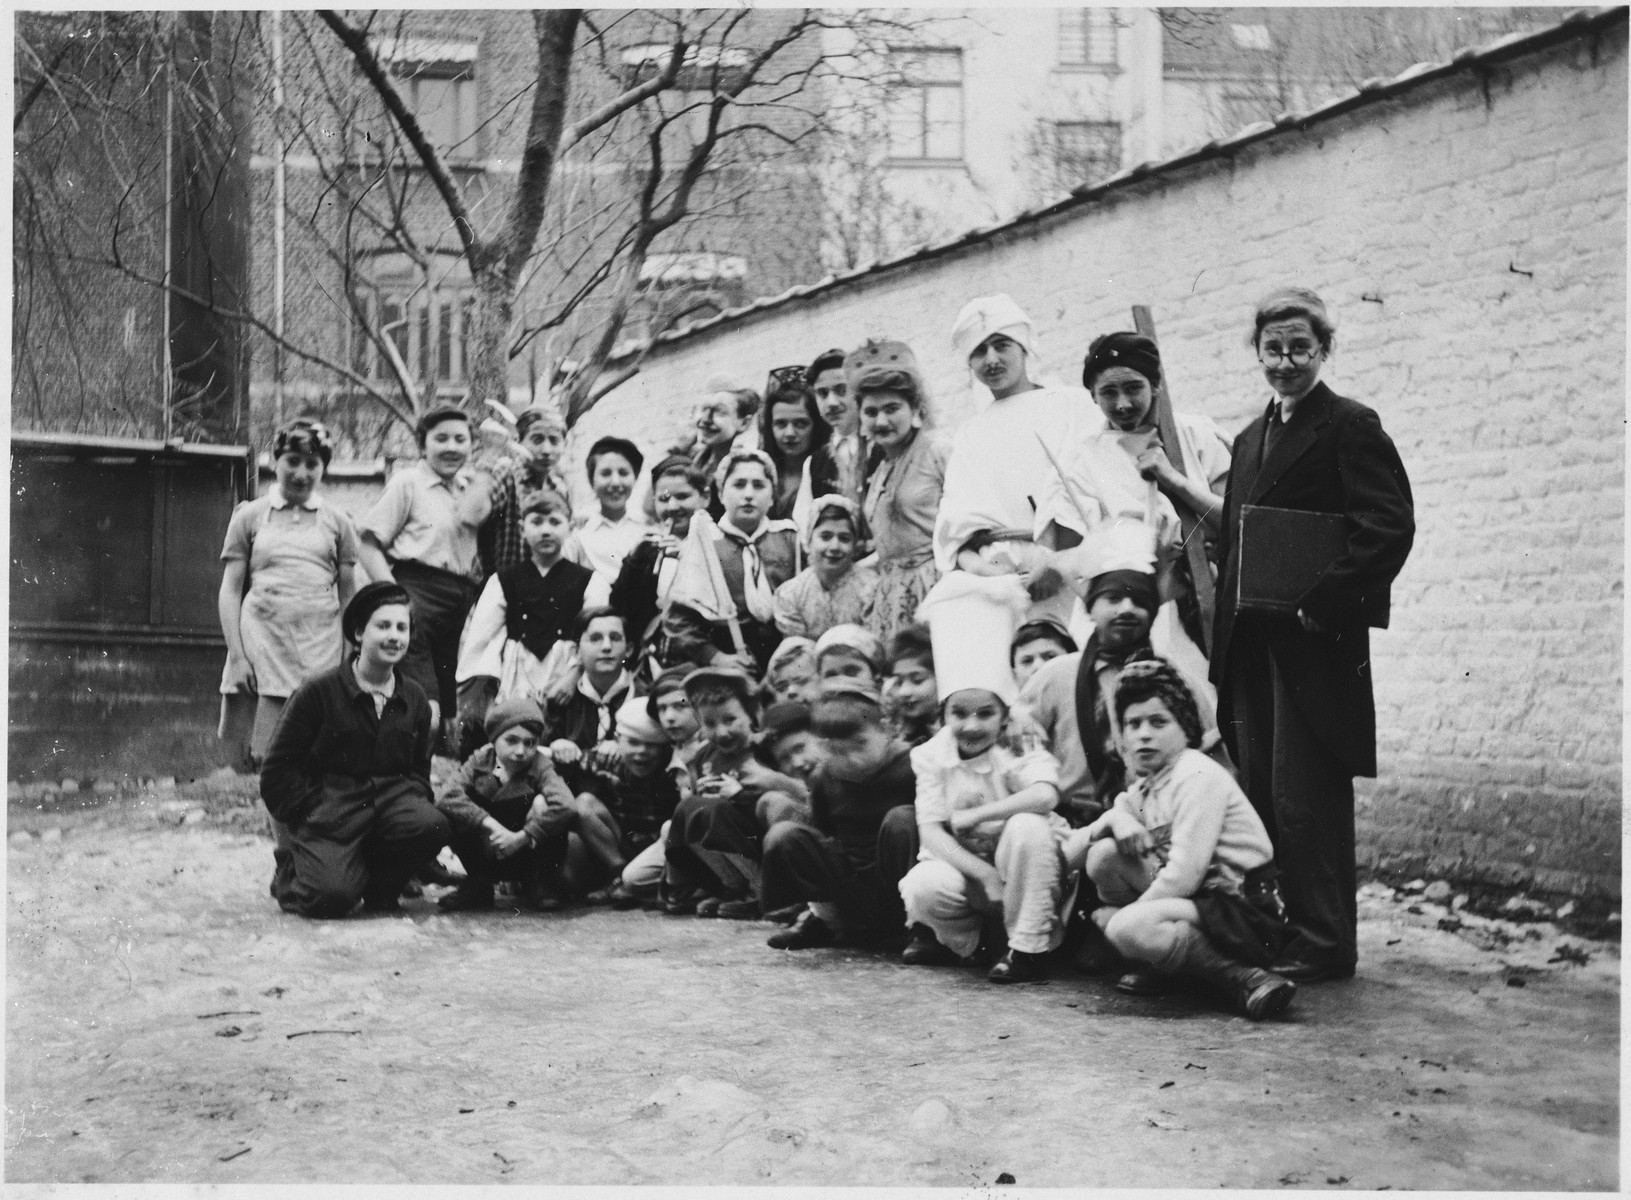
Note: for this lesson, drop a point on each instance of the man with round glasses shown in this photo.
(1294, 687)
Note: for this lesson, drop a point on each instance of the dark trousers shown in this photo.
(440, 601)
(483, 867)
(352, 848)
(723, 826)
(1306, 799)
(802, 863)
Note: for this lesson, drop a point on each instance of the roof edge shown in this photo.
(1575, 24)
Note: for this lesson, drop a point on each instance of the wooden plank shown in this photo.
(1166, 423)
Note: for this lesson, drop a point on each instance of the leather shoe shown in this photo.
(1299, 971)
(923, 949)
(681, 903)
(1019, 967)
(786, 916)
(809, 932)
(1144, 982)
(708, 906)
(744, 909)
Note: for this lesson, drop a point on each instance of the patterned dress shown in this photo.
(902, 499)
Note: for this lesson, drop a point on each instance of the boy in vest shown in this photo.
(523, 612)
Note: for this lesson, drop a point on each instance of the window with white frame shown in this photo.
(437, 80)
(427, 316)
(1087, 151)
(1087, 37)
(925, 106)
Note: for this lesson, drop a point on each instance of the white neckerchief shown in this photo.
(756, 589)
(605, 719)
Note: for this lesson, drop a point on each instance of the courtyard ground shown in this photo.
(166, 1023)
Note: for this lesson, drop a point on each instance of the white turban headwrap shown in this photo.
(990, 315)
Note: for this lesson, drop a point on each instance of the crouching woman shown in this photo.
(1182, 860)
(349, 771)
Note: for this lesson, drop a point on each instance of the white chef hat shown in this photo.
(972, 620)
(990, 315)
(1120, 544)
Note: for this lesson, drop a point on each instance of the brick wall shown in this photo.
(1469, 237)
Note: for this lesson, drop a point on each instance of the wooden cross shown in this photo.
(1166, 424)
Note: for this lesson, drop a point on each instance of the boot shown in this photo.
(1257, 993)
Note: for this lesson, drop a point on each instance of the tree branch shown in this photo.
(368, 62)
(611, 110)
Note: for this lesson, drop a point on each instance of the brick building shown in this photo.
(1466, 224)
(466, 74)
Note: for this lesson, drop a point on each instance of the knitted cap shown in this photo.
(507, 714)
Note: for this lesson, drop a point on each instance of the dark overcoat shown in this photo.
(1333, 457)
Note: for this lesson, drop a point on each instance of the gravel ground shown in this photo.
(166, 1023)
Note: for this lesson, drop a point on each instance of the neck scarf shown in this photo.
(756, 589)
(605, 706)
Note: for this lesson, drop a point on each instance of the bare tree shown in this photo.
(572, 212)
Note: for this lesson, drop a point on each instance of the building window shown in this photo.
(706, 69)
(427, 315)
(1252, 37)
(1087, 151)
(1087, 37)
(437, 80)
(925, 105)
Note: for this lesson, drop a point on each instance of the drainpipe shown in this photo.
(279, 184)
(169, 219)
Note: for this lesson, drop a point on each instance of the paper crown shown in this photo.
(972, 620)
(880, 357)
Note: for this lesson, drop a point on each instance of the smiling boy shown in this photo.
(421, 533)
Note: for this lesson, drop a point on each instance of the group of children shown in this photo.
(726, 714)
(903, 796)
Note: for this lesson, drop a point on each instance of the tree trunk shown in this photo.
(488, 343)
(496, 268)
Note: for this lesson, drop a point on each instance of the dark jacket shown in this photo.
(331, 749)
(634, 595)
(1333, 457)
(853, 811)
(1093, 726)
(479, 793)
